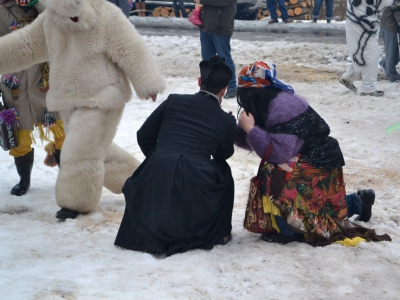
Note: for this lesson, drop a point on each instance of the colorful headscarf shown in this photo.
(261, 75)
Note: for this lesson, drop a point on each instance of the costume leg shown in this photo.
(89, 133)
(119, 165)
(370, 71)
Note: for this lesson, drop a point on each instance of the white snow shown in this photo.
(43, 258)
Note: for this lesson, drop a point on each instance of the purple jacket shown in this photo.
(283, 108)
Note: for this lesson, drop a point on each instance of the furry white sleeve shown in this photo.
(128, 50)
(24, 47)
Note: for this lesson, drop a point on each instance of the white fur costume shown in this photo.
(94, 53)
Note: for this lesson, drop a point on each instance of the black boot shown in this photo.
(57, 155)
(65, 213)
(367, 200)
(24, 168)
(314, 20)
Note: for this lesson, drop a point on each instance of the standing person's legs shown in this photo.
(183, 9)
(283, 10)
(271, 5)
(176, 9)
(81, 177)
(207, 45)
(223, 47)
(329, 10)
(315, 12)
(391, 54)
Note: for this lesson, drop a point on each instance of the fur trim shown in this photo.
(79, 185)
(119, 165)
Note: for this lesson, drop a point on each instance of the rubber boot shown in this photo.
(24, 168)
(195, 18)
(57, 155)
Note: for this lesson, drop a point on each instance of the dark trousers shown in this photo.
(392, 56)
(212, 44)
(178, 5)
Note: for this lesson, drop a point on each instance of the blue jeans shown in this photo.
(328, 8)
(212, 44)
(392, 57)
(271, 5)
(178, 4)
(354, 207)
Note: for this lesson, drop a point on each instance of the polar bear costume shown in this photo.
(94, 54)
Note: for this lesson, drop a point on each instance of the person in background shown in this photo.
(303, 177)
(362, 34)
(140, 6)
(25, 91)
(179, 7)
(390, 30)
(124, 5)
(218, 19)
(328, 10)
(271, 5)
(180, 198)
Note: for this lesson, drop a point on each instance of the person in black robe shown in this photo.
(180, 198)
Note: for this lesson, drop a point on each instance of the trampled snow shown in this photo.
(44, 258)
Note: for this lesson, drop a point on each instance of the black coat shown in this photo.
(179, 198)
(218, 16)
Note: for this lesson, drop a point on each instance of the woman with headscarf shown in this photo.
(303, 176)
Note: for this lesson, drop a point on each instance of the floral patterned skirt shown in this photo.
(313, 201)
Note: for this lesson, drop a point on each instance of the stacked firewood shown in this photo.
(167, 12)
(297, 10)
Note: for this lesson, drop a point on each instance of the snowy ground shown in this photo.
(43, 258)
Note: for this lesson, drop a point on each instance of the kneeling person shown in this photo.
(179, 198)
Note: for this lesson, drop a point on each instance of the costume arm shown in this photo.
(128, 50)
(284, 146)
(24, 47)
(225, 148)
(147, 135)
(241, 138)
(216, 2)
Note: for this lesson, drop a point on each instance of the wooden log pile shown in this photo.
(166, 12)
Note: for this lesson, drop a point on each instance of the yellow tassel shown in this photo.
(50, 148)
(351, 242)
(270, 207)
(50, 159)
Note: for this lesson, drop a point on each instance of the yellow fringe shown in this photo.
(351, 242)
(55, 132)
(25, 139)
(270, 207)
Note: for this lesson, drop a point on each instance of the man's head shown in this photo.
(215, 75)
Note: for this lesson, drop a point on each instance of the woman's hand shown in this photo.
(246, 121)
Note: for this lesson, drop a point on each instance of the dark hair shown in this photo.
(256, 102)
(212, 90)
